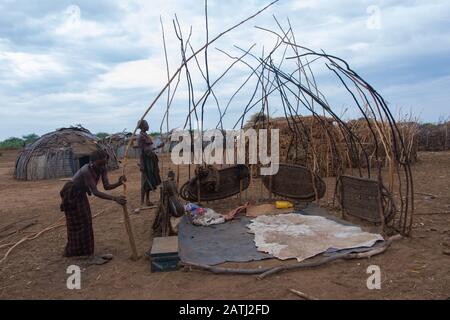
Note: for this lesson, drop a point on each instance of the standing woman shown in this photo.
(75, 204)
(150, 178)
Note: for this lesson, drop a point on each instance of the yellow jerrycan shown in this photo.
(284, 205)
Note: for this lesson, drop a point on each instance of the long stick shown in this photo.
(129, 230)
(302, 295)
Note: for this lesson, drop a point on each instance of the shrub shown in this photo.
(30, 138)
(102, 135)
(12, 143)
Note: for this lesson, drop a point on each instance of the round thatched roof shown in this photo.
(59, 154)
(119, 142)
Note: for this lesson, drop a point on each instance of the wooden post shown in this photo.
(391, 172)
(126, 216)
(129, 230)
(380, 199)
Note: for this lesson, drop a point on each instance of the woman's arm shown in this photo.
(109, 186)
(92, 185)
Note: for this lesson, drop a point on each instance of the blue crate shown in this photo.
(164, 263)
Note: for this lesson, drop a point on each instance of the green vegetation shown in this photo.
(30, 138)
(18, 143)
(12, 143)
(154, 134)
(102, 135)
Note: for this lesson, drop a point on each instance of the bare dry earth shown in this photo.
(413, 268)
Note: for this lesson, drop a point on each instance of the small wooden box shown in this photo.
(164, 254)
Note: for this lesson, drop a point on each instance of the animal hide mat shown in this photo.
(300, 236)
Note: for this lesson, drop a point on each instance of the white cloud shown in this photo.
(73, 26)
(25, 66)
(148, 73)
(79, 59)
(302, 4)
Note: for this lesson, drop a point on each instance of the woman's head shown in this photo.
(143, 125)
(99, 158)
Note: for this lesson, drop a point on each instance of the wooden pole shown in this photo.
(134, 254)
(303, 295)
(128, 228)
(380, 200)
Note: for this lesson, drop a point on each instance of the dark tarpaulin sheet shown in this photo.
(216, 244)
(231, 241)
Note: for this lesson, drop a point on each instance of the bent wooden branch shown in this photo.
(302, 295)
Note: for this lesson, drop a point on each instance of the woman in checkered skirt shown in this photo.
(75, 204)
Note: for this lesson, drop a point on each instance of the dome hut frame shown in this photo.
(288, 74)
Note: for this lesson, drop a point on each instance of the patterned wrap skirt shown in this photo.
(80, 234)
(150, 178)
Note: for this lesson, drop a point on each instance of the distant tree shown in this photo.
(30, 138)
(12, 143)
(154, 134)
(102, 135)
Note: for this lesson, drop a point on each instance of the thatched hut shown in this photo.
(434, 137)
(60, 154)
(119, 142)
(370, 144)
(305, 140)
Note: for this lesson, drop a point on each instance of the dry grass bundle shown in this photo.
(434, 137)
(306, 141)
(379, 144)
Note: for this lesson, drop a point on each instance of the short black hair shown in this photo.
(98, 154)
(141, 123)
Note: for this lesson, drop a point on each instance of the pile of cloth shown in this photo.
(206, 216)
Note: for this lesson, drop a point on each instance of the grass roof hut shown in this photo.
(119, 142)
(304, 140)
(60, 154)
(434, 137)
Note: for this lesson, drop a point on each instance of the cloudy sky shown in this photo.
(100, 63)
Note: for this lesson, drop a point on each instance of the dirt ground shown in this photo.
(413, 268)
